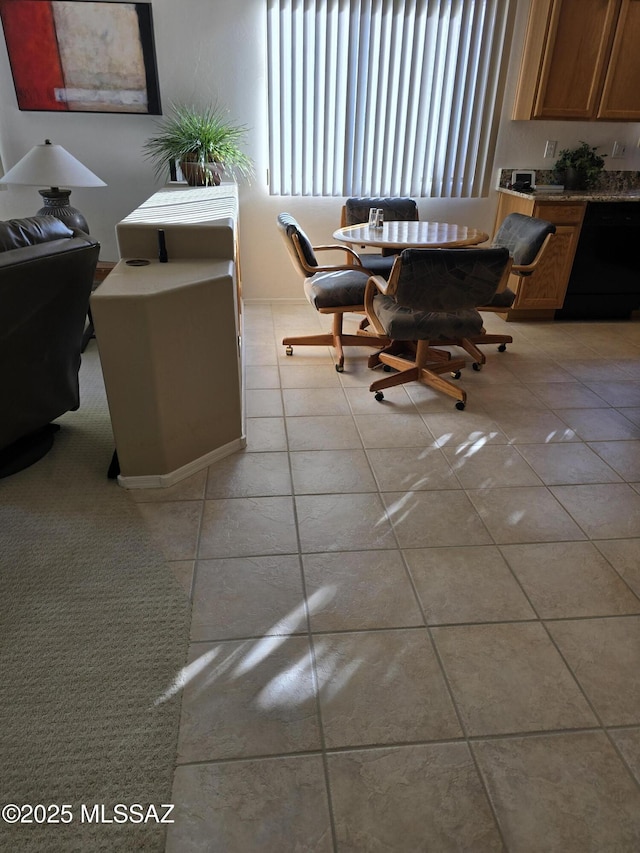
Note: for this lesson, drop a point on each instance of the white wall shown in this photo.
(215, 50)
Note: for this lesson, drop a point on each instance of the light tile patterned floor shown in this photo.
(416, 628)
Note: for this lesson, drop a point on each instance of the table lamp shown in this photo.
(52, 166)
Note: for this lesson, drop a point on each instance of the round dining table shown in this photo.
(414, 234)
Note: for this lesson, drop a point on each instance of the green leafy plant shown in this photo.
(584, 160)
(203, 141)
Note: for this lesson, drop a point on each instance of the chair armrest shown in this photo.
(375, 284)
(526, 269)
(356, 262)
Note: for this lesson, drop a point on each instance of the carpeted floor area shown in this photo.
(93, 628)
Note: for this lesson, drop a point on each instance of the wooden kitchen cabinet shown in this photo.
(580, 61)
(538, 295)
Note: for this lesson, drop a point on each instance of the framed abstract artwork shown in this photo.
(82, 56)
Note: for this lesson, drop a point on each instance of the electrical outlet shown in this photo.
(618, 150)
(550, 148)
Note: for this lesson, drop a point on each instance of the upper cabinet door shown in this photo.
(575, 57)
(581, 61)
(621, 93)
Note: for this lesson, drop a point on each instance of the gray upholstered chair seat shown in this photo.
(336, 289)
(406, 324)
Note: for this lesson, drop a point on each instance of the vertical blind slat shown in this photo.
(384, 97)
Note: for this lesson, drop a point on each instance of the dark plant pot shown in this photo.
(201, 176)
(575, 179)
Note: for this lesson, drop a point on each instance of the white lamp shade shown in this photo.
(51, 165)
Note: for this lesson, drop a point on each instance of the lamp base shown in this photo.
(56, 203)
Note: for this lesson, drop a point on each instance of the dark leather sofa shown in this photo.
(46, 275)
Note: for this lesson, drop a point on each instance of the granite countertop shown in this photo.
(539, 194)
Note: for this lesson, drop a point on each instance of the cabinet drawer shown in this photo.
(560, 214)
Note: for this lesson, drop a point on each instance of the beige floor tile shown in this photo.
(429, 519)
(268, 805)
(323, 433)
(569, 463)
(259, 354)
(509, 678)
(265, 434)
(604, 654)
(617, 393)
(247, 597)
(392, 430)
(308, 376)
(244, 475)
(595, 369)
(263, 403)
(606, 511)
(174, 526)
(382, 687)
(460, 584)
(566, 395)
(352, 522)
(622, 456)
(570, 579)
(257, 376)
(508, 396)
(243, 527)
(623, 556)
(524, 514)
(323, 471)
(315, 401)
(411, 469)
(474, 430)
(377, 795)
(599, 424)
(249, 698)
(567, 793)
(362, 402)
(532, 426)
(631, 413)
(628, 742)
(359, 590)
(493, 465)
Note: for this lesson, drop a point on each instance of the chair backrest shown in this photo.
(523, 236)
(298, 244)
(447, 280)
(356, 210)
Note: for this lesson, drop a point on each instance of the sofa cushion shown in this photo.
(17, 233)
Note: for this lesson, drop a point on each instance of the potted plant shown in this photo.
(579, 168)
(203, 141)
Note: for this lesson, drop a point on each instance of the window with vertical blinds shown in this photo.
(384, 97)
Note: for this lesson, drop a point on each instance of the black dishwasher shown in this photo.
(605, 277)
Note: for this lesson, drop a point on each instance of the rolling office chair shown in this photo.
(526, 239)
(430, 298)
(336, 290)
(356, 210)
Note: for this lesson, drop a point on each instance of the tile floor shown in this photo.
(414, 628)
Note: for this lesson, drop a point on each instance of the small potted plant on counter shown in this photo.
(579, 168)
(204, 143)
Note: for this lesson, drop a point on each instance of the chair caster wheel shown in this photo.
(460, 405)
(456, 375)
(502, 348)
(289, 350)
(379, 396)
(477, 366)
(339, 368)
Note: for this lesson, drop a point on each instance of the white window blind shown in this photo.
(384, 97)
